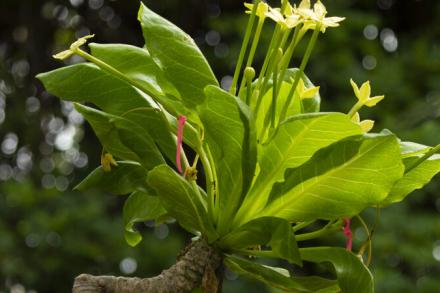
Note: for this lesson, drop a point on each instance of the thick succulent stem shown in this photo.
(195, 268)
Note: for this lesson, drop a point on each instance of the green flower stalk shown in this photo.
(244, 46)
(262, 12)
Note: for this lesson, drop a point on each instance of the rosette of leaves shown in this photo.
(259, 183)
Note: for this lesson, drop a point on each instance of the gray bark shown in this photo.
(195, 268)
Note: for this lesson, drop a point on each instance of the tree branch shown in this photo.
(197, 263)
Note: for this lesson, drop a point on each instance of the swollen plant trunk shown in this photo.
(195, 268)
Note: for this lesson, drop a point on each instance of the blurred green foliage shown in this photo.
(49, 234)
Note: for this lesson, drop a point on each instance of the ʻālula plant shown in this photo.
(245, 170)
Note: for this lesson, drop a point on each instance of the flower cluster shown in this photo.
(292, 16)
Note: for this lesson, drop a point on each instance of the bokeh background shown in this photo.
(49, 234)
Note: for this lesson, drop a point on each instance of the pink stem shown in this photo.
(348, 234)
(180, 124)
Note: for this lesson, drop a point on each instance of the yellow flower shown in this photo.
(262, 9)
(363, 94)
(366, 125)
(265, 11)
(276, 15)
(316, 17)
(293, 20)
(75, 46)
(304, 10)
(306, 93)
(289, 21)
(107, 161)
(288, 11)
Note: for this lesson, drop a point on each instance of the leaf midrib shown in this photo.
(276, 210)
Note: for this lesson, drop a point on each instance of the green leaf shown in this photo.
(274, 232)
(353, 275)
(417, 177)
(124, 178)
(338, 181)
(87, 83)
(295, 142)
(231, 140)
(412, 149)
(123, 138)
(140, 207)
(154, 124)
(136, 63)
(180, 199)
(278, 277)
(178, 56)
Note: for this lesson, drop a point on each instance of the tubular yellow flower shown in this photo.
(72, 50)
(288, 20)
(276, 15)
(288, 11)
(293, 20)
(262, 9)
(373, 101)
(316, 17)
(363, 94)
(366, 125)
(306, 93)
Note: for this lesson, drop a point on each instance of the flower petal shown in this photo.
(366, 125)
(373, 101)
(356, 118)
(355, 89)
(319, 10)
(365, 91)
(305, 4)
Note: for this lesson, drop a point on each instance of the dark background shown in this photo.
(49, 234)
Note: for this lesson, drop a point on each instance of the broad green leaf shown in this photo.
(85, 82)
(412, 149)
(180, 199)
(230, 137)
(124, 178)
(178, 56)
(353, 275)
(140, 207)
(340, 180)
(274, 232)
(418, 176)
(154, 124)
(295, 142)
(136, 63)
(279, 278)
(123, 138)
